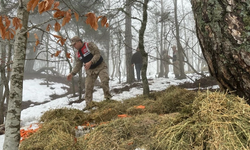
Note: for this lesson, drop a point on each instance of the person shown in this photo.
(165, 62)
(137, 62)
(88, 55)
(176, 62)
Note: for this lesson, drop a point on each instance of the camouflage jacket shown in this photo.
(94, 50)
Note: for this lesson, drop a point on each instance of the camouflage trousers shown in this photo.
(166, 69)
(176, 68)
(100, 71)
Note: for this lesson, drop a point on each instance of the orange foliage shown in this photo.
(68, 55)
(98, 18)
(107, 25)
(57, 36)
(16, 23)
(41, 7)
(76, 16)
(48, 27)
(59, 14)
(60, 39)
(48, 4)
(67, 17)
(2, 28)
(5, 30)
(36, 37)
(57, 53)
(37, 42)
(92, 20)
(57, 26)
(63, 41)
(7, 22)
(32, 5)
(56, 4)
(104, 21)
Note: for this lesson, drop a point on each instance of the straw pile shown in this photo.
(218, 121)
(172, 119)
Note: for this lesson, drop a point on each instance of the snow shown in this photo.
(35, 92)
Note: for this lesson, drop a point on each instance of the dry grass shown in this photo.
(172, 119)
(56, 134)
(218, 121)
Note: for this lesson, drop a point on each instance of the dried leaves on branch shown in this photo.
(8, 32)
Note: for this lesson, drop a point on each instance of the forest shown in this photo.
(210, 36)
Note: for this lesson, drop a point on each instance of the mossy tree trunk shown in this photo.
(223, 29)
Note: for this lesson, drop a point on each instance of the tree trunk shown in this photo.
(7, 89)
(12, 124)
(2, 83)
(161, 42)
(128, 43)
(223, 31)
(47, 59)
(119, 60)
(141, 47)
(179, 47)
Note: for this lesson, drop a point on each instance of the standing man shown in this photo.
(88, 55)
(176, 62)
(137, 62)
(165, 62)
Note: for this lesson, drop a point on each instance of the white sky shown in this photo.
(33, 91)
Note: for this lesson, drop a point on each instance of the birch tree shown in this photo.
(12, 124)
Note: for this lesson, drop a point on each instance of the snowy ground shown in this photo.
(33, 91)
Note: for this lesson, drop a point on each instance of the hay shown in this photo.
(122, 134)
(200, 121)
(175, 99)
(218, 121)
(106, 111)
(74, 116)
(57, 134)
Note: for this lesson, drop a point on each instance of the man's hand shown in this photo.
(87, 65)
(69, 77)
